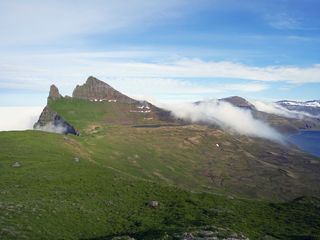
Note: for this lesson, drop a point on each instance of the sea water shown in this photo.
(309, 141)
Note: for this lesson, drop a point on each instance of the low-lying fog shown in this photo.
(18, 118)
(217, 112)
(277, 109)
(226, 116)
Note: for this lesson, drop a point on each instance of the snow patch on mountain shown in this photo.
(315, 103)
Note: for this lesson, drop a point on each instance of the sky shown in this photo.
(165, 51)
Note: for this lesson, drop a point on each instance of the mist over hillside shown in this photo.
(233, 114)
(227, 116)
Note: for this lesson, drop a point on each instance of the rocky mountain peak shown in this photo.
(54, 93)
(92, 81)
(95, 89)
(238, 102)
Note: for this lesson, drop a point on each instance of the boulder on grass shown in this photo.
(153, 204)
(16, 165)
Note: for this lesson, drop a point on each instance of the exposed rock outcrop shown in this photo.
(51, 121)
(54, 93)
(95, 89)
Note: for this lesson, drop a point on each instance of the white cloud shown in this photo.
(129, 72)
(154, 86)
(283, 20)
(39, 22)
(18, 118)
(38, 71)
(277, 109)
(226, 116)
(126, 71)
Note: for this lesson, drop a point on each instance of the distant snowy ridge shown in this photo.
(310, 107)
(314, 103)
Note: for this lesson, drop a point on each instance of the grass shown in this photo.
(122, 168)
(51, 196)
(83, 113)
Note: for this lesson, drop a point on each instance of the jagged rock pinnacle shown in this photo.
(54, 93)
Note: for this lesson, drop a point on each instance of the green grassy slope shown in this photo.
(52, 196)
(187, 156)
(84, 114)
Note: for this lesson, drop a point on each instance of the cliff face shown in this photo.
(95, 89)
(51, 121)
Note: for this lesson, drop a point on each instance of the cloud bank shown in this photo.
(274, 108)
(226, 116)
(18, 118)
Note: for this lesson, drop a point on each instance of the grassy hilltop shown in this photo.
(98, 185)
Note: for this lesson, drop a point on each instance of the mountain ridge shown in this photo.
(311, 107)
(283, 124)
(95, 90)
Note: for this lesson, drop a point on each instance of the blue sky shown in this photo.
(169, 50)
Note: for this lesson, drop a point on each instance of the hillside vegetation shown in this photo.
(61, 191)
(190, 156)
(204, 182)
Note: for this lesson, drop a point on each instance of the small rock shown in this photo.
(16, 165)
(76, 159)
(153, 204)
(234, 235)
(204, 233)
(188, 236)
(123, 238)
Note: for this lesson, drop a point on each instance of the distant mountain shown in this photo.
(114, 107)
(239, 102)
(131, 111)
(281, 123)
(311, 107)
